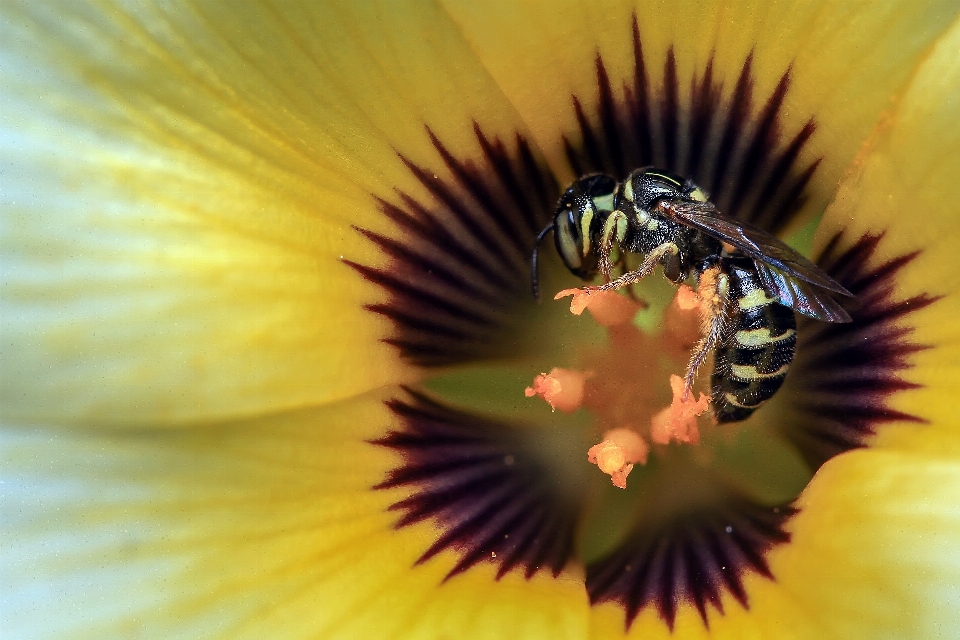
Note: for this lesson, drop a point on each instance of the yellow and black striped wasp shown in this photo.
(752, 281)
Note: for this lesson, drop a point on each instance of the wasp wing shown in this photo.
(753, 241)
(800, 295)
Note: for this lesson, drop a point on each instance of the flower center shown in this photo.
(643, 421)
(508, 481)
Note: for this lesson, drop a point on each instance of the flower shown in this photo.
(200, 392)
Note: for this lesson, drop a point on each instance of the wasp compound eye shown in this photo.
(568, 240)
(572, 238)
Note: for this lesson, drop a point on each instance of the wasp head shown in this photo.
(577, 224)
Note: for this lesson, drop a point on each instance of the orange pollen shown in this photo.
(621, 389)
(609, 309)
(616, 455)
(687, 299)
(679, 421)
(561, 388)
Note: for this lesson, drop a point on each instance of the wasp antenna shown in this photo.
(535, 262)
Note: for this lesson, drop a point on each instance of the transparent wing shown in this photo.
(800, 295)
(753, 241)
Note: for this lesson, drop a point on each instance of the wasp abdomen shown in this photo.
(753, 362)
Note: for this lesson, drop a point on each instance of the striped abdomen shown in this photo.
(753, 362)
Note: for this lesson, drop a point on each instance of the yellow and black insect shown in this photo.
(752, 281)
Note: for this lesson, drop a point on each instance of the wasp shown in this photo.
(750, 283)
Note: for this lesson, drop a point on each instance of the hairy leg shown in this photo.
(646, 268)
(714, 314)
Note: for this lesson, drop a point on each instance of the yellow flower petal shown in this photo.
(267, 528)
(848, 60)
(904, 184)
(874, 549)
(182, 189)
(772, 614)
(873, 555)
(200, 215)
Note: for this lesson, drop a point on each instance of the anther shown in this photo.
(561, 388)
(678, 422)
(620, 450)
(609, 309)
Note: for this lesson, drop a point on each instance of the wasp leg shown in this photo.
(646, 268)
(713, 290)
(614, 231)
(631, 292)
(606, 265)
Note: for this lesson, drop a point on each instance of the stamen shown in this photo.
(674, 423)
(616, 455)
(561, 388)
(679, 421)
(682, 325)
(609, 309)
(687, 299)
